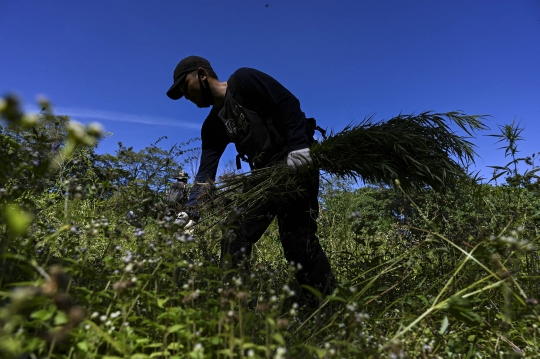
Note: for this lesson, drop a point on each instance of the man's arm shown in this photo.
(214, 141)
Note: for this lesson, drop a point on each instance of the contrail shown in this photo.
(79, 113)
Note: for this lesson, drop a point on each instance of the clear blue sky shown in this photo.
(112, 61)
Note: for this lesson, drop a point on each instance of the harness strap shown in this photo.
(243, 158)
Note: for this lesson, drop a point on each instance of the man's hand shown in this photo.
(184, 219)
(299, 160)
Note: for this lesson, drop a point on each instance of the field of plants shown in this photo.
(92, 267)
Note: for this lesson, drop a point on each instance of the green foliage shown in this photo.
(511, 134)
(422, 273)
(417, 150)
(413, 151)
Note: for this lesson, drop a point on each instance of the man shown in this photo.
(176, 194)
(264, 121)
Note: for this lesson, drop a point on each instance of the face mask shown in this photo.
(207, 99)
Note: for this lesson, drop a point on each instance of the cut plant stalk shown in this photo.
(419, 151)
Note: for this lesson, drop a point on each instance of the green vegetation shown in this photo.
(91, 268)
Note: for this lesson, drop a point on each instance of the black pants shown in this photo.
(297, 221)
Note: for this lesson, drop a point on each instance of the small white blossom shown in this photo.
(116, 314)
(280, 352)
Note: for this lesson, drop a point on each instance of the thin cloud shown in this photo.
(86, 113)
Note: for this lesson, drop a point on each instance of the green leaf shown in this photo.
(161, 302)
(18, 220)
(334, 298)
(461, 309)
(279, 338)
(175, 346)
(424, 299)
(470, 338)
(318, 351)
(176, 328)
(60, 318)
(314, 291)
(444, 325)
(10, 346)
(160, 354)
(43, 314)
(83, 346)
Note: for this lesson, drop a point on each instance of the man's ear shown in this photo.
(201, 73)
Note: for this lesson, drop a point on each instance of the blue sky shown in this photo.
(112, 61)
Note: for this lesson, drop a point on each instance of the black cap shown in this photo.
(184, 67)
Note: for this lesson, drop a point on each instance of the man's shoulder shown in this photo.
(246, 73)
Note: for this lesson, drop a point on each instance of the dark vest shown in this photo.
(254, 135)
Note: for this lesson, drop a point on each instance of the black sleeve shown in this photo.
(260, 92)
(214, 141)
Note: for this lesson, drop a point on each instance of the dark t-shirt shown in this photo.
(258, 92)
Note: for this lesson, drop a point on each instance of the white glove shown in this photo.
(183, 218)
(299, 160)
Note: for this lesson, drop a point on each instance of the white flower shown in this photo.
(76, 129)
(29, 120)
(280, 352)
(116, 314)
(96, 129)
